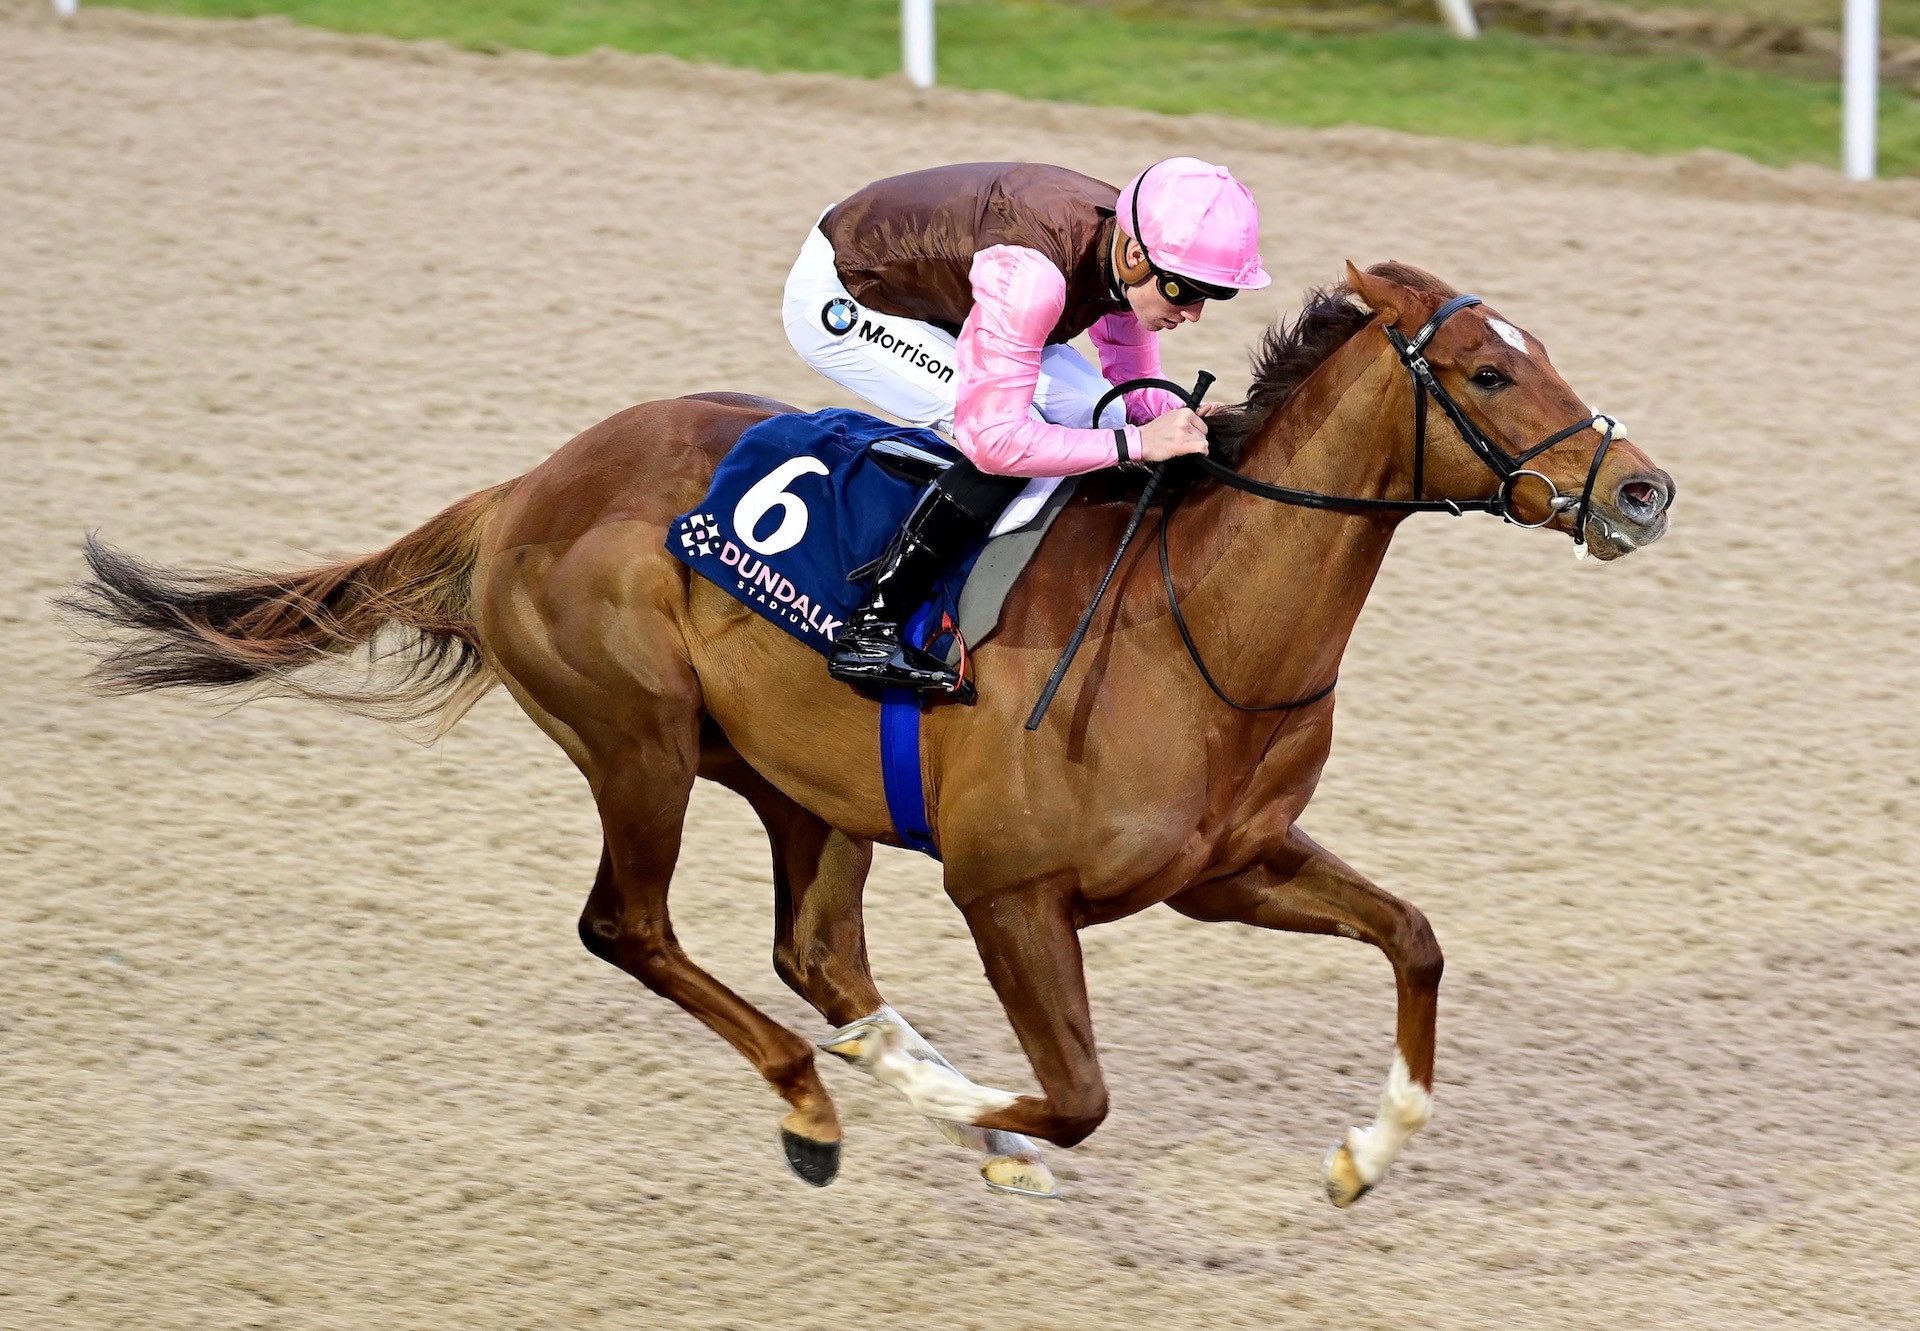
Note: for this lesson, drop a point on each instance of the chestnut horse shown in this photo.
(1145, 784)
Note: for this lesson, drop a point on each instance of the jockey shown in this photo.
(947, 297)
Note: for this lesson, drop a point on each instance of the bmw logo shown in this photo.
(838, 315)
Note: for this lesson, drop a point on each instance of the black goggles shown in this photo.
(1184, 291)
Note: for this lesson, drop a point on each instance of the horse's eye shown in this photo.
(1488, 377)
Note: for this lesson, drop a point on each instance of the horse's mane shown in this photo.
(1290, 351)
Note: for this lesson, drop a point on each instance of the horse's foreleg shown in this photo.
(1027, 943)
(1306, 890)
(643, 800)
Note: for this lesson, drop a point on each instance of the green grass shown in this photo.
(1503, 89)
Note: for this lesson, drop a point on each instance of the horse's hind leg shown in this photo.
(642, 794)
(820, 951)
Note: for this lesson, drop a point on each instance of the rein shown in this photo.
(1192, 397)
(1508, 468)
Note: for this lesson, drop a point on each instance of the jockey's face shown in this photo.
(1154, 311)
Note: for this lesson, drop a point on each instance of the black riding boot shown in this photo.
(868, 650)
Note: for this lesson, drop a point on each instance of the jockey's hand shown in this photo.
(1173, 435)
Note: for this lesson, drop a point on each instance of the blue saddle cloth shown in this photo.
(799, 503)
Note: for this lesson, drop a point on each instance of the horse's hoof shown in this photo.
(814, 1162)
(1344, 1184)
(1020, 1178)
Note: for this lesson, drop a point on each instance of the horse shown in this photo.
(1189, 739)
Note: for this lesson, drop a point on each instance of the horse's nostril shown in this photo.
(1642, 501)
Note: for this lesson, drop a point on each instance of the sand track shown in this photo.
(295, 1032)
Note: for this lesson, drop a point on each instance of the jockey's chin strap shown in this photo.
(1507, 467)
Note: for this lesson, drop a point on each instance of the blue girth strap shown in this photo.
(900, 755)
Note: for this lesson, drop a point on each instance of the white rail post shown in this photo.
(66, 8)
(916, 41)
(1863, 86)
(1460, 17)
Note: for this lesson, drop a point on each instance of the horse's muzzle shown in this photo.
(1635, 514)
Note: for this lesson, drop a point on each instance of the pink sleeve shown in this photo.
(1128, 351)
(1017, 298)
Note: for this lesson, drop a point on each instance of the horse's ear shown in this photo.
(1382, 295)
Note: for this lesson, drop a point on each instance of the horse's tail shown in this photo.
(408, 606)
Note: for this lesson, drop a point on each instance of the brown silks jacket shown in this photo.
(905, 245)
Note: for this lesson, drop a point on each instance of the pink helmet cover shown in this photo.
(1199, 222)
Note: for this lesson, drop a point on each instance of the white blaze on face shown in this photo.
(1512, 336)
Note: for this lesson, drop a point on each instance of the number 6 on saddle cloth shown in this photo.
(805, 503)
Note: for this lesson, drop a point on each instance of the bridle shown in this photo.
(1508, 469)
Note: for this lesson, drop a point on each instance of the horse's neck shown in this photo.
(1274, 590)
